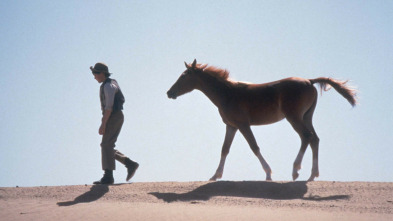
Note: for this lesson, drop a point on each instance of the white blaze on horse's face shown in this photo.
(186, 83)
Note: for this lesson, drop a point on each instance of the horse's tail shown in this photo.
(341, 87)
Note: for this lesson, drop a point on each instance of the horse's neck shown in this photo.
(216, 90)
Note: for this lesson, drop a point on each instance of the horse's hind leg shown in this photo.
(297, 165)
(314, 143)
(230, 134)
(303, 126)
(315, 148)
(247, 133)
(304, 135)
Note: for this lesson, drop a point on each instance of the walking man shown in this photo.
(112, 100)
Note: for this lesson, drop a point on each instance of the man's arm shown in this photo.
(109, 93)
(105, 118)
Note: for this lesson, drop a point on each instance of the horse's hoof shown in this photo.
(295, 176)
(214, 178)
(312, 177)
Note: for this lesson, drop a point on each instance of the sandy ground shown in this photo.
(224, 200)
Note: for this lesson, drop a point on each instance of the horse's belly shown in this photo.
(259, 118)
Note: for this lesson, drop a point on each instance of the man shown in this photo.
(112, 100)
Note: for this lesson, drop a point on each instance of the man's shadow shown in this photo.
(246, 189)
(95, 193)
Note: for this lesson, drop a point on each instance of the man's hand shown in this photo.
(101, 131)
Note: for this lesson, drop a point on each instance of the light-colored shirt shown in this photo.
(110, 89)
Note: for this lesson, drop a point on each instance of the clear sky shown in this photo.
(50, 110)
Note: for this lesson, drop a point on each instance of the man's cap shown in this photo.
(100, 67)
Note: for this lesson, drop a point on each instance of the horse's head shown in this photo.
(186, 82)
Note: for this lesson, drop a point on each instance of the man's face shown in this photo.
(99, 76)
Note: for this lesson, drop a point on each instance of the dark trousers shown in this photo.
(108, 152)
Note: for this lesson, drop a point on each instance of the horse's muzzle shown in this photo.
(171, 94)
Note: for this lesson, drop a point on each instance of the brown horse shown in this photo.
(242, 105)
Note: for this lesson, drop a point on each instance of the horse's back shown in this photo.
(270, 102)
(294, 86)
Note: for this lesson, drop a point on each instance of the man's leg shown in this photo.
(131, 165)
(113, 128)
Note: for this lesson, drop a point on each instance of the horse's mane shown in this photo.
(219, 73)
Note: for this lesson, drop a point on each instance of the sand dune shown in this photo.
(229, 200)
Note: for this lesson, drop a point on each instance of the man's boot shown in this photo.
(107, 178)
(131, 168)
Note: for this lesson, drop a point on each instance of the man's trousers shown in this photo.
(108, 152)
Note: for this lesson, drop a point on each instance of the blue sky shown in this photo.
(50, 111)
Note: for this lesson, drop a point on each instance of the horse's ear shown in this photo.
(187, 66)
(194, 64)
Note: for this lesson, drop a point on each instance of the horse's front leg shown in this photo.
(230, 134)
(247, 133)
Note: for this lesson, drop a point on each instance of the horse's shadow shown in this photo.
(246, 189)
